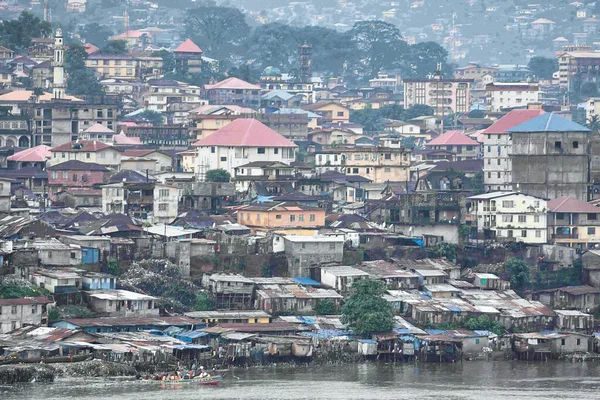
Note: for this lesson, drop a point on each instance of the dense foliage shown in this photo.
(519, 273)
(560, 278)
(327, 307)
(366, 312)
(374, 120)
(481, 323)
(217, 175)
(71, 311)
(81, 80)
(16, 34)
(543, 67)
(152, 117)
(17, 289)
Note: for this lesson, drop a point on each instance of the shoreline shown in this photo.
(48, 373)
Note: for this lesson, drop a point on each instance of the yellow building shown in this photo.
(210, 118)
(231, 317)
(122, 66)
(379, 164)
(330, 110)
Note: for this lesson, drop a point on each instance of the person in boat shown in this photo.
(203, 373)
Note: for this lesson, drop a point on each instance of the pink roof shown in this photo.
(188, 47)
(133, 34)
(232, 83)
(452, 138)
(127, 123)
(25, 95)
(124, 139)
(35, 154)
(571, 205)
(90, 48)
(98, 128)
(512, 119)
(86, 145)
(245, 132)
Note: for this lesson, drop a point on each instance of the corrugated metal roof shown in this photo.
(549, 122)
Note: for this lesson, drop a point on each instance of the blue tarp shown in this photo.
(419, 241)
(189, 336)
(308, 320)
(434, 331)
(453, 308)
(192, 347)
(307, 281)
(369, 341)
(327, 333)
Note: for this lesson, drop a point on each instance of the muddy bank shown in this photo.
(94, 368)
(20, 373)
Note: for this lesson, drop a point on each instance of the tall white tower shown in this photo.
(58, 83)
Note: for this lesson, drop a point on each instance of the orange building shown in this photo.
(281, 215)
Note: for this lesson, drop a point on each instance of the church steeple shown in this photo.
(59, 83)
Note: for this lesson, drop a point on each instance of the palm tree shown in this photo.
(593, 123)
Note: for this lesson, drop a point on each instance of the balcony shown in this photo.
(565, 236)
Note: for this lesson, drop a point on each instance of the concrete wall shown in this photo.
(23, 315)
(301, 258)
(448, 231)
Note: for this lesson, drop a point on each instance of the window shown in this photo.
(292, 218)
(65, 175)
(223, 158)
(509, 233)
(13, 310)
(388, 156)
(507, 218)
(84, 178)
(261, 150)
(276, 150)
(578, 342)
(74, 177)
(557, 145)
(54, 174)
(508, 204)
(88, 155)
(591, 231)
(355, 170)
(73, 255)
(560, 216)
(538, 233)
(388, 170)
(498, 161)
(575, 144)
(522, 218)
(163, 207)
(213, 149)
(163, 193)
(257, 217)
(340, 113)
(536, 218)
(278, 216)
(332, 246)
(562, 342)
(523, 233)
(301, 218)
(592, 216)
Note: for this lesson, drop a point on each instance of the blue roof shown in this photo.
(549, 122)
(297, 111)
(282, 94)
(307, 281)
(326, 333)
(191, 334)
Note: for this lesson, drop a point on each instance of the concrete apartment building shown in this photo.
(15, 313)
(239, 142)
(577, 66)
(163, 92)
(234, 91)
(446, 96)
(497, 145)
(379, 164)
(463, 147)
(511, 216)
(574, 223)
(505, 96)
(550, 157)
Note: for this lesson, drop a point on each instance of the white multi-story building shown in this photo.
(497, 144)
(242, 141)
(512, 216)
(14, 313)
(166, 200)
(162, 92)
(505, 96)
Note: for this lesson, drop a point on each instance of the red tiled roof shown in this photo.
(452, 138)
(512, 119)
(99, 128)
(188, 47)
(86, 145)
(232, 83)
(24, 301)
(245, 132)
(139, 152)
(571, 205)
(124, 139)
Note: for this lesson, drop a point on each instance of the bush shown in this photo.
(327, 307)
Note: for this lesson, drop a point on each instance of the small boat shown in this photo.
(206, 381)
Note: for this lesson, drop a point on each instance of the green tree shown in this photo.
(153, 117)
(168, 60)
(477, 183)
(204, 302)
(445, 249)
(366, 312)
(593, 123)
(96, 34)
(220, 30)
(543, 67)
(81, 80)
(217, 175)
(115, 47)
(379, 44)
(418, 110)
(16, 34)
(422, 60)
(273, 45)
(483, 323)
(327, 307)
(409, 142)
(464, 231)
(519, 273)
(113, 267)
(370, 119)
(588, 89)
(476, 114)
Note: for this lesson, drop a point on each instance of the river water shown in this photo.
(470, 380)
